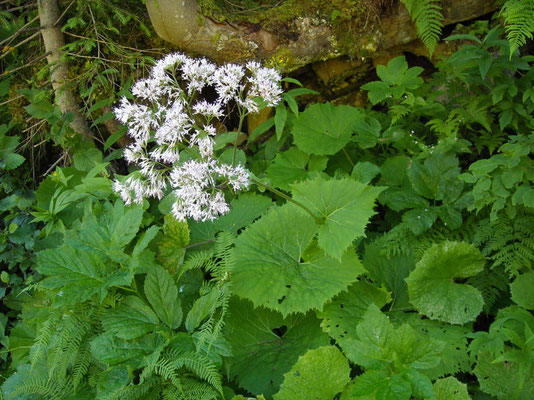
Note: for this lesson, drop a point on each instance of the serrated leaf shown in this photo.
(450, 389)
(504, 380)
(171, 246)
(111, 382)
(202, 307)
(365, 171)
(125, 224)
(112, 350)
(341, 316)
(288, 167)
(431, 285)
(131, 319)
(344, 205)
(324, 129)
(265, 345)
(522, 289)
(162, 293)
(13, 160)
(319, 374)
(80, 274)
(270, 271)
(390, 272)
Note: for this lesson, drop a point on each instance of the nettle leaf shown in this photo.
(162, 293)
(78, 273)
(432, 288)
(171, 246)
(273, 269)
(341, 316)
(523, 290)
(131, 319)
(325, 129)
(319, 374)
(345, 207)
(450, 389)
(265, 345)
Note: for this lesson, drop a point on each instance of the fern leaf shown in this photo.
(428, 20)
(519, 22)
(202, 367)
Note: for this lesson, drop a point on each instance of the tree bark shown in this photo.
(59, 70)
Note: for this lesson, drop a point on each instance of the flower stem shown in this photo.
(241, 120)
(288, 198)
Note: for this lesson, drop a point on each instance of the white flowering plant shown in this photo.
(173, 125)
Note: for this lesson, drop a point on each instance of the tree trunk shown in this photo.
(53, 41)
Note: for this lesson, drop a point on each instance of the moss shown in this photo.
(350, 20)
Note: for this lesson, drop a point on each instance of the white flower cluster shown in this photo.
(171, 124)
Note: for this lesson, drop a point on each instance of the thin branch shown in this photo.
(28, 63)
(19, 31)
(19, 44)
(64, 12)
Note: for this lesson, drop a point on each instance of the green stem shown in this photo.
(241, 120)
(288, 198)
(348, 157)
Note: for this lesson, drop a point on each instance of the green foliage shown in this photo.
(518, 17)
(433, 290)
(305, 380)
(428, 20)
(521, 289)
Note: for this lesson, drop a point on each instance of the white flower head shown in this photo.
(170, 121)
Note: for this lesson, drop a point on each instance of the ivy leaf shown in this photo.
(265, 345)
(522, 290)
(345, 206)
(131, 319)
(171, 246)
(162, 293)
(325, 129)
(269, 268)
(319, 374)
(450, 389)
(80, 274)
(431, 285)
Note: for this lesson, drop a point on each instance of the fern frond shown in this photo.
(493, 285)
(508, 243)
(39, 348)
(81, 364)
(428, 20)
(519, 22)
(202, 366)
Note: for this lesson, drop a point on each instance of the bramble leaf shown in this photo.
(319, 374)
(345, 207)
(432, 288)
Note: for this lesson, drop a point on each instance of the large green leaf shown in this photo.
(432, 288)
(78, 273)
(162, 293)
(171, 246)
(265, 345)
(345, 206)
(341, 316)
(523, 290)
(324, 128)
(450, 389)
(272, 269)
(319, 374)
(389, 272)
(508, 380)
(131, 319)
(112, 350)
(293, 166)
